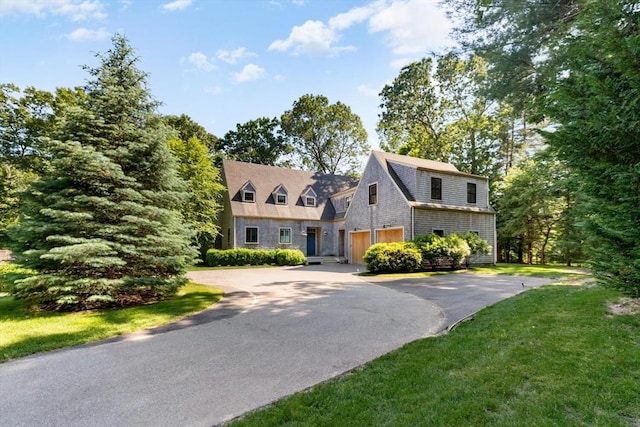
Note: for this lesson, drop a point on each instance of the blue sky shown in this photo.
(224, 62)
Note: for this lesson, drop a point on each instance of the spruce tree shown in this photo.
(102, 227)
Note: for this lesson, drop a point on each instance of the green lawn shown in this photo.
(549, 356)
(25, 332)
(548, 271)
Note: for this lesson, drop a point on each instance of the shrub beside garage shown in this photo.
(425, 251)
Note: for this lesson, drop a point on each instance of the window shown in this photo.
(438, 232)
(471, 192)
(310, 201)
(436, 188)
(248, 196)
(285, 236)
(251, 235)
(347, 202)
(373, 194)
(228, 236)
(281, 199)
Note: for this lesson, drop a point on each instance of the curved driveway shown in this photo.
(278, 331)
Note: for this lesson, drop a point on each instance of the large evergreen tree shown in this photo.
(101, 227)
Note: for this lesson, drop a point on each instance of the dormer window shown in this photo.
(280, 195)
(248, 196)
(248, 192)
(347, 202)
(309, 197)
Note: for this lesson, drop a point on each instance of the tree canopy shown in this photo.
(256, 141)
(325, 137)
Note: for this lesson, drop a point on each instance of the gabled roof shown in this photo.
(267, 178)
(433, 165)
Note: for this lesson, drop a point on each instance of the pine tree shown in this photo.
(102, 227)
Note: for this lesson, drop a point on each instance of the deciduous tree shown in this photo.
(256, 141)
(325, 137)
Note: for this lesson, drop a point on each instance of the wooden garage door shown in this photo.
(360, 241)
(388, 236)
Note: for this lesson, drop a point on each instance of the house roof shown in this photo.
(267, 179)
(425, 164)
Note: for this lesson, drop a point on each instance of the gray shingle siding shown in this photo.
(454, 189)
(392, 209)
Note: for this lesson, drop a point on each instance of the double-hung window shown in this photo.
(285, 236)
(436, 188)
(373, 194)
(251, 235)
(471, 192)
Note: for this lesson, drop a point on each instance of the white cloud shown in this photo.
(312, 37)
(412, 27)
(176, 5)
(200, 61)
(213, 90)
(233, 56)
(249, 73)
(319, 38)
(367, 91)
(298, 2)
(85, 34)
(75, 10)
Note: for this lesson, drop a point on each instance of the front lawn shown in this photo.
(535, 270)
(554, 355)
(26, 332)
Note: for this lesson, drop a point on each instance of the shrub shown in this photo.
(393, 257)
(477, 245)
(243, 256)
(289, 257)
(453, 247)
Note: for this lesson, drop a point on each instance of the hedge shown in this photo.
(238, 257)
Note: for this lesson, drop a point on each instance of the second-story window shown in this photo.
(281, 199)
(373, 194)
(471, 192)
(347, 202)
(436, 188)
(310, 201)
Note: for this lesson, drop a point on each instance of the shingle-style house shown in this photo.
(397, 198)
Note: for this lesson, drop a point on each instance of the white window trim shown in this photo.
(347, 202)
(306, 201)
(279, 195)
(257, 242)
(369, 193)
(280, 235)
(244, 196)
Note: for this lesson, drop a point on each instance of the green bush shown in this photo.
(243, 256)
(393, 257)
(454, 248)
(289, 257)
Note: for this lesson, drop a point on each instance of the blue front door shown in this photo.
(311, 242)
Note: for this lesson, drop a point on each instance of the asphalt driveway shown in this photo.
(278, 331)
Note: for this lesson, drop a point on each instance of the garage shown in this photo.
(360, 241)
(390, 235)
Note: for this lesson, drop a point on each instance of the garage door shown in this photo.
(388, 236)
(360, 241)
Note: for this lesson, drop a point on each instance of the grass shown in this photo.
(25, 332)
(550, 356)
(548, 271)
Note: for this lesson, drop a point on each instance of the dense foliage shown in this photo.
(101, 226)
(325, 137)
(257, 141)
(393, 257)
(240, 257)
(574, 64)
